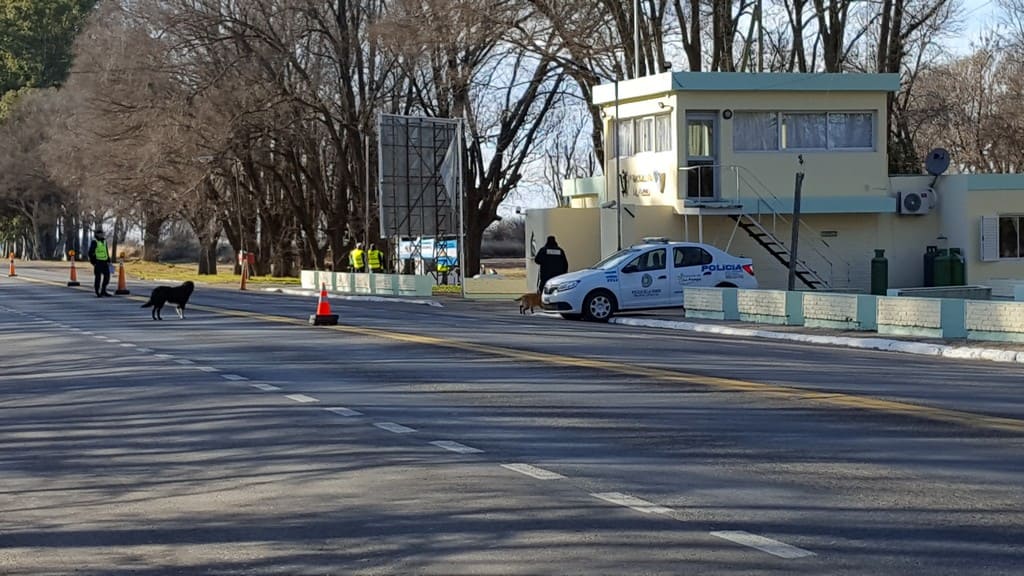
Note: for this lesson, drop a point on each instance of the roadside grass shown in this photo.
(190, 271)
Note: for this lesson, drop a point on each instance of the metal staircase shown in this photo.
(752, 226)
(764, 215)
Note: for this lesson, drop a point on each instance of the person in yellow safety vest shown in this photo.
(376, 258)
(357, 259)
(100, 256)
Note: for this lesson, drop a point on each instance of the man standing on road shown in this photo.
(552, 261)
(357, 259)
(100, 258)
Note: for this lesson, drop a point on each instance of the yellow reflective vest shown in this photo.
(355, 258)
(101, 251)
(375, 257)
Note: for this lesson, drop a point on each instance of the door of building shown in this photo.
(702, 155)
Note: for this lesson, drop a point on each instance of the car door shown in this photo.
(691, 267)
(644, 281)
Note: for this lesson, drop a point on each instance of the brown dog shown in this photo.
(529, 300)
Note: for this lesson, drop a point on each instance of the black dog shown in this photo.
(174, 294)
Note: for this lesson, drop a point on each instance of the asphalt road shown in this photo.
(472, 440)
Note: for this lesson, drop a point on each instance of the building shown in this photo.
(714, 157)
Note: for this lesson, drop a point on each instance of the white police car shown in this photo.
(649, 275)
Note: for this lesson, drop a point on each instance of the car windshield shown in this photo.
(614, 260)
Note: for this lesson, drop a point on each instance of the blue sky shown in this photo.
(979, 14)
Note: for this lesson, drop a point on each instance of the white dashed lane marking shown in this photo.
(392, 427)
(265, 387)
(633, 502)
(456, 447)
(128, 345)
(774, 547)
(533, 471)
(234, 377)
(302, 398)
(163, 356)
(208, 369)
(145, 350)
(184, 362)
(347, 412)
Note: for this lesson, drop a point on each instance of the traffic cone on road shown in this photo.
(122, 284)
(11, 272)
(74, 273)
(323, 316)
(245, 275)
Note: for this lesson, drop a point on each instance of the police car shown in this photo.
(649, 275)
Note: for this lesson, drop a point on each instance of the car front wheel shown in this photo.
(599, 306)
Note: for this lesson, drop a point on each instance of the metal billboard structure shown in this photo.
(420, 171)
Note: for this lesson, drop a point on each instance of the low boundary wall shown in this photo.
(945, 318)
(372, 284)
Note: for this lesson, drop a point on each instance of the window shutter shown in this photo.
(989, 238)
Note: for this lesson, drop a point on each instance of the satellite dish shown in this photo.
(937, 161)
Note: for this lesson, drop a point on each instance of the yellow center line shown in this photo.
(827, 399)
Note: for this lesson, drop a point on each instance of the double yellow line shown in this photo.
(793, 394)
(825, 399)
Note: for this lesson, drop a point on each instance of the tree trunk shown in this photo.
(151, 238)
(208, 254)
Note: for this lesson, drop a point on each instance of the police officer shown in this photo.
(552, 261)
(357, 259)
(376, 259)
(100, 257)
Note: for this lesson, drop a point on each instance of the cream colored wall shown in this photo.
(965, 209)
(829, 173)
(902, 237)
(576, 229)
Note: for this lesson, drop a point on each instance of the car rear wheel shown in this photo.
(599, 306)
(568, 316)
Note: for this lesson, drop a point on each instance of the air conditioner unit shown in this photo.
(915, 202)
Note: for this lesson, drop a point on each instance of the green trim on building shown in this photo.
(816, 205)
(664, 84)
(983, 182)
(783, 82)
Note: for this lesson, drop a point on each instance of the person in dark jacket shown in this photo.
(100, 256)
(552, 261)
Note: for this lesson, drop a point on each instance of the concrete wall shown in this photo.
(373, 284)
(947, 318)
(995, 320)
(576, 229)
(962, 209)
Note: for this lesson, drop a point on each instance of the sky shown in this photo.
(979, 14)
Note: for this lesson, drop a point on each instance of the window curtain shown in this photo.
(851, 130)
(805, 131)
(753, 131)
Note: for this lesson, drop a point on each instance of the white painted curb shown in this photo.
(351, 297)
(920, 348)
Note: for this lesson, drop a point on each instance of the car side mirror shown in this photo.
(629, 269)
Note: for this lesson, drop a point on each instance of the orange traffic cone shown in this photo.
(74, 273)
(323, 316)
(122, 284)
(11, 273)
(245, 275)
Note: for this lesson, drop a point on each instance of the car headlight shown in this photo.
(566, 286)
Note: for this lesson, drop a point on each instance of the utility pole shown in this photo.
(618, 174)
(636, 38)
(796, 224)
